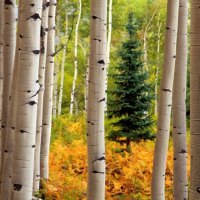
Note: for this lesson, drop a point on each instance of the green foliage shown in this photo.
(131, 98)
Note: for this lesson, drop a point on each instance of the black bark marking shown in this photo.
(167, 90)
(13, 128)
(33, 146)
(102, 62)
(37, 92)
(17, 187)
(44, 124)
(23, 131)
(42, 32)
(56, 52)
(95, 17)
(198, 189)
(34, 17)
(96, 172)
(36, 52)
(31, 103)
(90, 123)
(102, 158)
(2, 126)
(32, 4)
(6, 151)
(174, 56)
(183, 151)
(96, 39)
(20, 36)
(28, 91)
(101, 100)
(9, 2)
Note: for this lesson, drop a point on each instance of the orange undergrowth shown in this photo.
(128, 175)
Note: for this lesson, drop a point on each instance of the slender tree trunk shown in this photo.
(164, 113)
(1, 68)
(96, 101)
(8, 64)
(55, 90)
(194, 101)
(48, 93)
(86, 86)
(157, 66)
(63, 67)
(71, 110)
(29, 52)
(108, 45)
(41, 75)
(179, 106)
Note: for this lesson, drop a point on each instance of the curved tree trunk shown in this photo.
(8, 64)
(48, 93)
(96, 101)
(194, 101)
(29, 52)
(41, 75)
(179, 107)
(71, 110)
(164, 112)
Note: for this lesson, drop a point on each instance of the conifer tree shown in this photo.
(131, 98)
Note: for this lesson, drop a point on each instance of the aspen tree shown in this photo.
(63, 66)
(41, 78)
(1, 65)
(9, 40)
(6, 180)
(108, 44)
(48, 93)
(164, 107)
(26, 109)
(179, 107)
(194, 101)
(96, 101)
(71, 110)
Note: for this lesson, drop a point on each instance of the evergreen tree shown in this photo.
(131, 98)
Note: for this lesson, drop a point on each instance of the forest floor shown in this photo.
(128, 174)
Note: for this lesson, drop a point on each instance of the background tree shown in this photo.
(132, 95)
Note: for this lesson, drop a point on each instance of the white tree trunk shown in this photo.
(29, 52)
(194, 101)
(164, 112)
(86, 86)
(9, 40)
(41, 75)
(108, 45)
(179, 107)
(157, 66)
(55, 90)
(48, 93)
(71, 110)
(6, 180)
(96, 101)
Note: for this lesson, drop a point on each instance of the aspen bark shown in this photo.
(1, 67)
(194, 101)
(55, 90)
(41, 78)
(108, 45)
(164, 108)
(179, 107)
(63, 67)
(26, 111)
(9, 39)
(96, 101)
(157, 66)
(6, 180)
(48, 93)
(71, 110)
